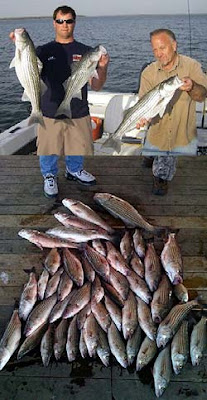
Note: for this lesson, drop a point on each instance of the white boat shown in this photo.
(109, 108)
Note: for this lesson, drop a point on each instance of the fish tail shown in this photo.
(36, 118)
(64, 110)
(115, 144)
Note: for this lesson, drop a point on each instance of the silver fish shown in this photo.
(60, 338)
(172, 260)
(152, 103)
(72, 343)
(65, 286)
(39, 314)
(162, 371)
(52, 261)
(145, 319)
(82, 315)
(120, 208)
(114, 312)
(180, 348)
(139, 287)
(103, 349)
(73, 267)
(162, 300)
(10, 339)
(70, 221)
(81, 72)
(28, 297)
(133, 344)
(78, 301)
(147, 351)
(102, 315)
(98, 246)
(116, 260)
(28, 68)
(42, 284)
(126, 246)
(129, 316)
(119, 282)
(181, 292)
(41, 239)
(83, 211)
(117, 345)
(137, 265)
(31, 341)
(169, 326)
(139, 244)
(46, 345)
(90, 334)
(198, 341)
(97, 261)
(152, 268)
(97, 291)
(53, 283)
(78, 235)
(60, 307)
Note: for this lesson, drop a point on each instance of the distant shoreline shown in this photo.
(97, 16)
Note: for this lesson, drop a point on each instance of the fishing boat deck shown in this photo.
(22, 205)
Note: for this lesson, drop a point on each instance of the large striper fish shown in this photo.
(81, 72)
(28, 68)
(152, 103)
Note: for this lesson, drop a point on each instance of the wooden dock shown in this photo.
(23, 205)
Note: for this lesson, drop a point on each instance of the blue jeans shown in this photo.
(49, 164)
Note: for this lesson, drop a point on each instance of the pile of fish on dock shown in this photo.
(107, 296)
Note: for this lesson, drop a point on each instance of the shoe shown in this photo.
(81, 176)
(160, 186)
(147, 162)
(50, 186)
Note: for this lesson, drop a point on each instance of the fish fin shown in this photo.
(25, 96)
(39, 65)
(36, 118)
(62, 110)
(43, 87)
(12, 63)
(66, 83)
(78, 95)
(115, 144)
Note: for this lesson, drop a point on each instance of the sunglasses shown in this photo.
(61, 21)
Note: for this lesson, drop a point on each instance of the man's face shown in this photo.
(164, 49)
(64, 31)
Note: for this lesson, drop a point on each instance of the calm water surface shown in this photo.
(125, 37)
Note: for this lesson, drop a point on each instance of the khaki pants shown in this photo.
(67, 137)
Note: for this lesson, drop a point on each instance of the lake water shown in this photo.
(125, 37)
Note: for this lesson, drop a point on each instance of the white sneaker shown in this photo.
(81, 176)
(50, 186)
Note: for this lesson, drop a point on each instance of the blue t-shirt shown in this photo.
(57, 58)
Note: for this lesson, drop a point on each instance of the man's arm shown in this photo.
(97, 83)
(195, 91)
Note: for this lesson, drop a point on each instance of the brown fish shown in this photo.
(65, 286)
(72, 343)
(117, 345)
(162, 300)
(114, 312)
(53, 283)
(46, 345)
(137, 265)
(81, 210)
(32, 341)
(129, 316)
(139, 244)
(116, 260)
(73, 267)
(97, 261)
(145, 319)
(90, 334)
(40, 314)
(52, 261)
(42, 284)
(126, 246)
(78, 301)
(102, 315)
(60, 338)
(139, 287)
(172, 260)
(28, 297)
(10, 339)
(119, 282)
(99, 247)
(42, 240)
(152, 268)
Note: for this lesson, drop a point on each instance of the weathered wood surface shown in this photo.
(22, 205)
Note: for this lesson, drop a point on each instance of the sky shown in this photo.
(22, 8)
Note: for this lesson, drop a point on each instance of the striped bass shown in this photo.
(28, 68)
(81, 72)
(162, 371)
(152, 103)
(10, 339)
(120, 208)
(170, 325)
(180, 348)
(172, 260)
(198, 341)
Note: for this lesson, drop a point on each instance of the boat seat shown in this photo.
(114, 112)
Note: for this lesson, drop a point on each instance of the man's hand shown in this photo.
(187, 84)
(12, 36)
(104, 60)
(143, 122)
